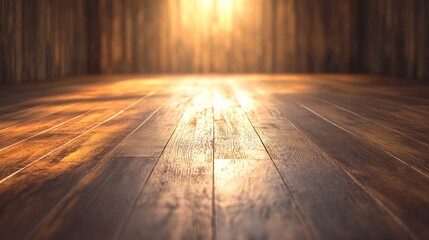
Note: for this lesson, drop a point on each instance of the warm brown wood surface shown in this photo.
(215, 157)
(394, 38)
(223, 36)
(42, 40)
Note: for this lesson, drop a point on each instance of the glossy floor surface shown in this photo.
(215, 157)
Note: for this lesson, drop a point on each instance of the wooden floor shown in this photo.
(215, 157)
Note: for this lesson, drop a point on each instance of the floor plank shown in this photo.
(115, 184)
(404, 149)
(235, 136)
(392, 111)
(30, 194)
(252, 201)
(378, 99)
(393, 116)
(391, 187)
(215, 157)
(18, 156)
(177, 200)
(26, 96)
(308, 171)
(29, 117)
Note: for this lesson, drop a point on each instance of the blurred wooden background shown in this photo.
(394, 38)
(42, 39)
(45, 39)
(249, 36)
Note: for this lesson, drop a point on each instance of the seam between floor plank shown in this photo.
(122, 226)
(304, 220)
(370, 120)
(43, 104)
(109, 154)
(56, 126)
(77, 137)
(384, 96)
(375, 199)
(359, 139)
(45, 131)
(39, 117)
(67, 106)
(395, 218)
(309, 231)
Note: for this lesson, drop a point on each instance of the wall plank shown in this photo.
(395, 38)
(42, 39)
(188, 36)
(46, 39)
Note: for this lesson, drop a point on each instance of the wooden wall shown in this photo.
(42, 39)
(176, 36)
(395, 38)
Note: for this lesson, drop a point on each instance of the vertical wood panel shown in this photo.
(42, 39)
(381, 37)
(186, 36)
(45, 39)
(394, 38)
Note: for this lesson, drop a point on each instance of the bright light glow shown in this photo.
(224, 15)
(207, 3)
(245, 100)
(216, 15)
(220, 102)
(224, 6)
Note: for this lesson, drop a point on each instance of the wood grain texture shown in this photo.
(42, 40)
(248, 205)
(115, 184)
(394, 38)
(177, 200)
(308, 171)
(364, 160)
(176, 36)
(218, 157)
(252, 202)
(403, 119)
(45, 39)
(284, 36)
(60, 169)
(392, 107)
(78, 123)
(408, 151)
(235, 136)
